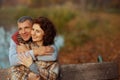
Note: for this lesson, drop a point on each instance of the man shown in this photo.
(24, 31)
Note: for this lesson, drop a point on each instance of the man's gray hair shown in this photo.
(24, 18)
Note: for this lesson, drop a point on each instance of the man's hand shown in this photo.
(22, 48)
(43, 50)
(25, 59)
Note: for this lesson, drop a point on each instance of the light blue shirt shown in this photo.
(13, 55)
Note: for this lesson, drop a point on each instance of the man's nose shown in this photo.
(23, 31)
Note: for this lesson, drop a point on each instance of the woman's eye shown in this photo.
(37, 31)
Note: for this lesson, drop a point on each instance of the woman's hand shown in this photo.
(25, 59)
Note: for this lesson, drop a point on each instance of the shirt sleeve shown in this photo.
(34, 68)
(52, 57)
(13, 58)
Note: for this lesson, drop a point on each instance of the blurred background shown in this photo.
(86, 28)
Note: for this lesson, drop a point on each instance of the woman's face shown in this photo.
(37, 33)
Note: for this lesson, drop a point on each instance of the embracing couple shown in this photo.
(32, 53)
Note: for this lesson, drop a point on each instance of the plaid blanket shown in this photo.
(47, 70)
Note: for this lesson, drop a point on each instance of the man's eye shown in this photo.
(19, 29)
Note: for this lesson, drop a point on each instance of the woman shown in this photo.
(43, 34)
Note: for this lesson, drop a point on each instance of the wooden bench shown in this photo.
(86, 71)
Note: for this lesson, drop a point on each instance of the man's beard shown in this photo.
(20, 40)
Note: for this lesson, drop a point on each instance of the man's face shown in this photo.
(24, 30)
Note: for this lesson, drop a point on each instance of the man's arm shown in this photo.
(13, 58)
(13, 55)
(51, 57)
(44, 53)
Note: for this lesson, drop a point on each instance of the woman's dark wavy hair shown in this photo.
(48, 28)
